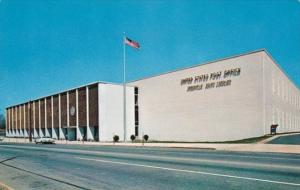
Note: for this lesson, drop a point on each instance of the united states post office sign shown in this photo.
(212, 80)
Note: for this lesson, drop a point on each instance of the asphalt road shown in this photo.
(114, 167)
(291, 139)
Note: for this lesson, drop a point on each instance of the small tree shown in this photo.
(132, 137)
(146, 137)
(116, 138)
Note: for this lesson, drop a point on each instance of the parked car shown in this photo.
(44, 140)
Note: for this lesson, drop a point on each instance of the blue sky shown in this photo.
(48, 46)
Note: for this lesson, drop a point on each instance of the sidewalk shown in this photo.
(274, 148)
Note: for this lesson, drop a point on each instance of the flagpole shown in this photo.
(124, 86)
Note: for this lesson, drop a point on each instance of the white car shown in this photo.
(44, 140)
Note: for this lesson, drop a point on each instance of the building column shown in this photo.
(20, 122)
(54, 135)
(46, 123)
(68, 116)
(35, 134)
(41, 134)
(17, 123)
(7, 123)
(13, 120)
(78, 132)
(25, 127)
(21, 128)
(20, 116)
(89, 135)
(61, 134)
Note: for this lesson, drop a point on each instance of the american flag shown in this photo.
(132, 43)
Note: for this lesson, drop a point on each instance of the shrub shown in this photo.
(146, 137)
(132, 137)
(116, 138)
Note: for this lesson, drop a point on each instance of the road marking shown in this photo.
(189, 171)
(165, 158)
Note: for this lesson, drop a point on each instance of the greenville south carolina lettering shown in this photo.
(208, 81)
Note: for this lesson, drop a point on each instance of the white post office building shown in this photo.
(229, 99)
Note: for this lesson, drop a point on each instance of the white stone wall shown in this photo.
(282, 99)
(111, 112)
(169, 113)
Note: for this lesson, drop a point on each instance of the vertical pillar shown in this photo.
(7, 123)
(17, 122)
(89, 134)
(78, 132)
(46, 127)
(40, 129)
(68, 114)
(20, 122)
(6, 119)
(24, 116)
(54, 135)
(35, 134)
(61, 134)
(14, 121)
(22, 127)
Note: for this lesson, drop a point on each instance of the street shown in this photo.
(29, 166)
